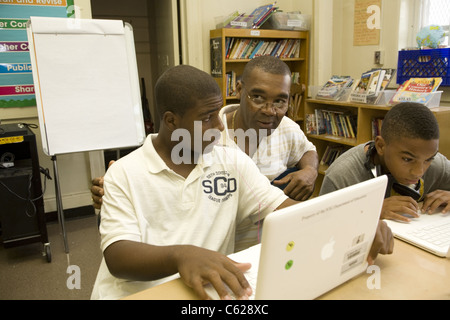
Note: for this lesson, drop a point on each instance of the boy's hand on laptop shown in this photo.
(436, 199)
(383, 242)
(198, 266)
(399, 208)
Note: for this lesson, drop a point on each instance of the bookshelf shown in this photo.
(364, 114)
(221, 65)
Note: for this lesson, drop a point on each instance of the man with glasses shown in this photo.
(259, 127)
(276, 144)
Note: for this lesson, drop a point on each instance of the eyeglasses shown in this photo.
(260, 103)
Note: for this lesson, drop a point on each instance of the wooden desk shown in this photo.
(409, 273)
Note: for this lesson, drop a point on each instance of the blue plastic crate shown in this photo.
(426, 63)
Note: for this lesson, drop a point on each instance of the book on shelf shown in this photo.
(331, 154)
(419, 90)
(295, 78)
(368, 87)
(281, 48)
(388, 76)
(240, 49)
(293, 49)
(248, 49)
(229, 42)
(334, 88)
(320, 122)
(296, 98)
(311, 124)
(245, 48)
(376, 79)
(257, 48)
(231, 81)
(261, 14)
(338, 123)
(333, 123)
(376, 127)
(216, 58)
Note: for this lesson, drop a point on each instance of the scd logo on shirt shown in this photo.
(219, 186)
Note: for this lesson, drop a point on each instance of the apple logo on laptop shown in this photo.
(328, 249)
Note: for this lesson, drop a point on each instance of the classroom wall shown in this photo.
(396, 22)
(332, 52)
(201, 16)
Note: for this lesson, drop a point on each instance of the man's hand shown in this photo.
(395, 207)
(383, 242)
(300, 184)
(436, 199)
(198, 267)
(97, 191)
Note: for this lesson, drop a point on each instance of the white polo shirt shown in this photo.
(279, 151)
(276, 153)
(146, 201)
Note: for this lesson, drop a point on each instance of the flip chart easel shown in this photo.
(87, 88)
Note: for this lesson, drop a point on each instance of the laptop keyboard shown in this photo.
(437, 234)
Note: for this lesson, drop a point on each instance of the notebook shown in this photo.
(312, 247)
(428, 232)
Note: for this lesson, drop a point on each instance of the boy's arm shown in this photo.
(197, 266)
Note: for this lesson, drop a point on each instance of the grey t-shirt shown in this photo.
(349, 169)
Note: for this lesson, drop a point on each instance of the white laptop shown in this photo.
(312, 247)
(428, 232)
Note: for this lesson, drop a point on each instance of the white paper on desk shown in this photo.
(88, 85)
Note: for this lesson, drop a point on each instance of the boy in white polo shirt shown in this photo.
(172, 205)
(160, 216)
(275, 143)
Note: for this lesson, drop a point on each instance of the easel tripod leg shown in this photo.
(59, 204)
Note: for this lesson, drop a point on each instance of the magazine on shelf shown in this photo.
(418, 90)
(334, 88)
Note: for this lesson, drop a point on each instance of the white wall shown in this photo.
(397, 18)
(354, 60)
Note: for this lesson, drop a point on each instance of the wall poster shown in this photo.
(367, 21)
(16, 79)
